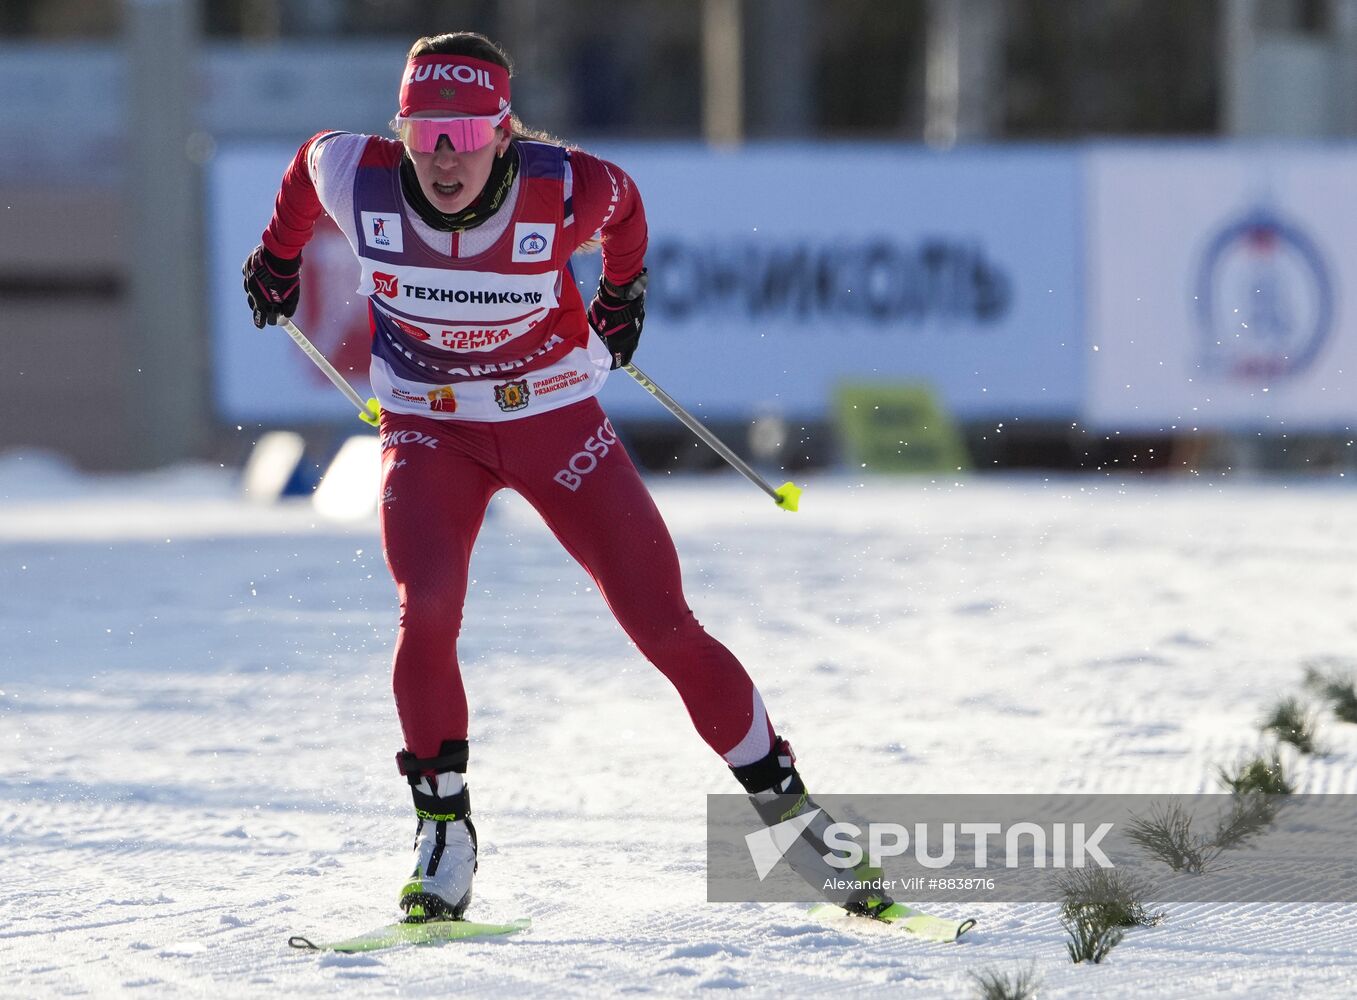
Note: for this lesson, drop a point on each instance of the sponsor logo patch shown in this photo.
(471, 296)
(474, 340)
(382, 231)
(387, 284)
(533, 240)
(585, 461)
(393, 438)
(554, 383)
(1264, 299)
(451, 72)
(512, 395)
(411, 330)
(442, 399)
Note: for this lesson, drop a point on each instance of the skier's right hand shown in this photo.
(273, 285)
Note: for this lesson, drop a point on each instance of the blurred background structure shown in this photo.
(120, 120)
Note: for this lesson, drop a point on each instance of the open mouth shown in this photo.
(450, 190)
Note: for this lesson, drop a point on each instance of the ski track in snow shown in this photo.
(198, 732)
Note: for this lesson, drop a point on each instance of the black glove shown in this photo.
(272, 285)
(617, 314)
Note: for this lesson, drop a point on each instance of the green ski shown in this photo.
(911, 921)
(414, 932)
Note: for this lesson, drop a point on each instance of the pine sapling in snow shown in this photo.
(1250, 814)
(1265, 775)
(1114, 897)
(1340, 692)
(1291, 722)
(996, 985)
(1167, 835)
(1257, 789)
(1091, 937)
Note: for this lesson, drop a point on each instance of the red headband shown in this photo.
(458, 84)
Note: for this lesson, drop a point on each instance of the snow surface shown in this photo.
(198, 732)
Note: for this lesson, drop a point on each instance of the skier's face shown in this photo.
(452, 180)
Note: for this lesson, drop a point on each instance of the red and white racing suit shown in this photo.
(486, 371)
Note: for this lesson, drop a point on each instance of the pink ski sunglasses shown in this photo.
(465, 134)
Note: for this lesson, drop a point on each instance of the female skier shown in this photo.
(486, 365)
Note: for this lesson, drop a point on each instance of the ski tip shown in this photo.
(921, 925)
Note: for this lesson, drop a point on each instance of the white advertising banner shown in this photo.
(260, 375)
(1220, 288)
(779, 271)
(776, 272)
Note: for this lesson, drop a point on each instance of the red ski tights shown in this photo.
(438, 477)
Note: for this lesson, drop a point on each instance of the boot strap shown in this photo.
(442, 808)
(452, 756)
(774, 771)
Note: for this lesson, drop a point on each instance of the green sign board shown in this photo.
(897, 427)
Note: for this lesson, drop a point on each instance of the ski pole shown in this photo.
(787, 496)
(369, 412)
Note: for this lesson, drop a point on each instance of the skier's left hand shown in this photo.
(617, 314)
